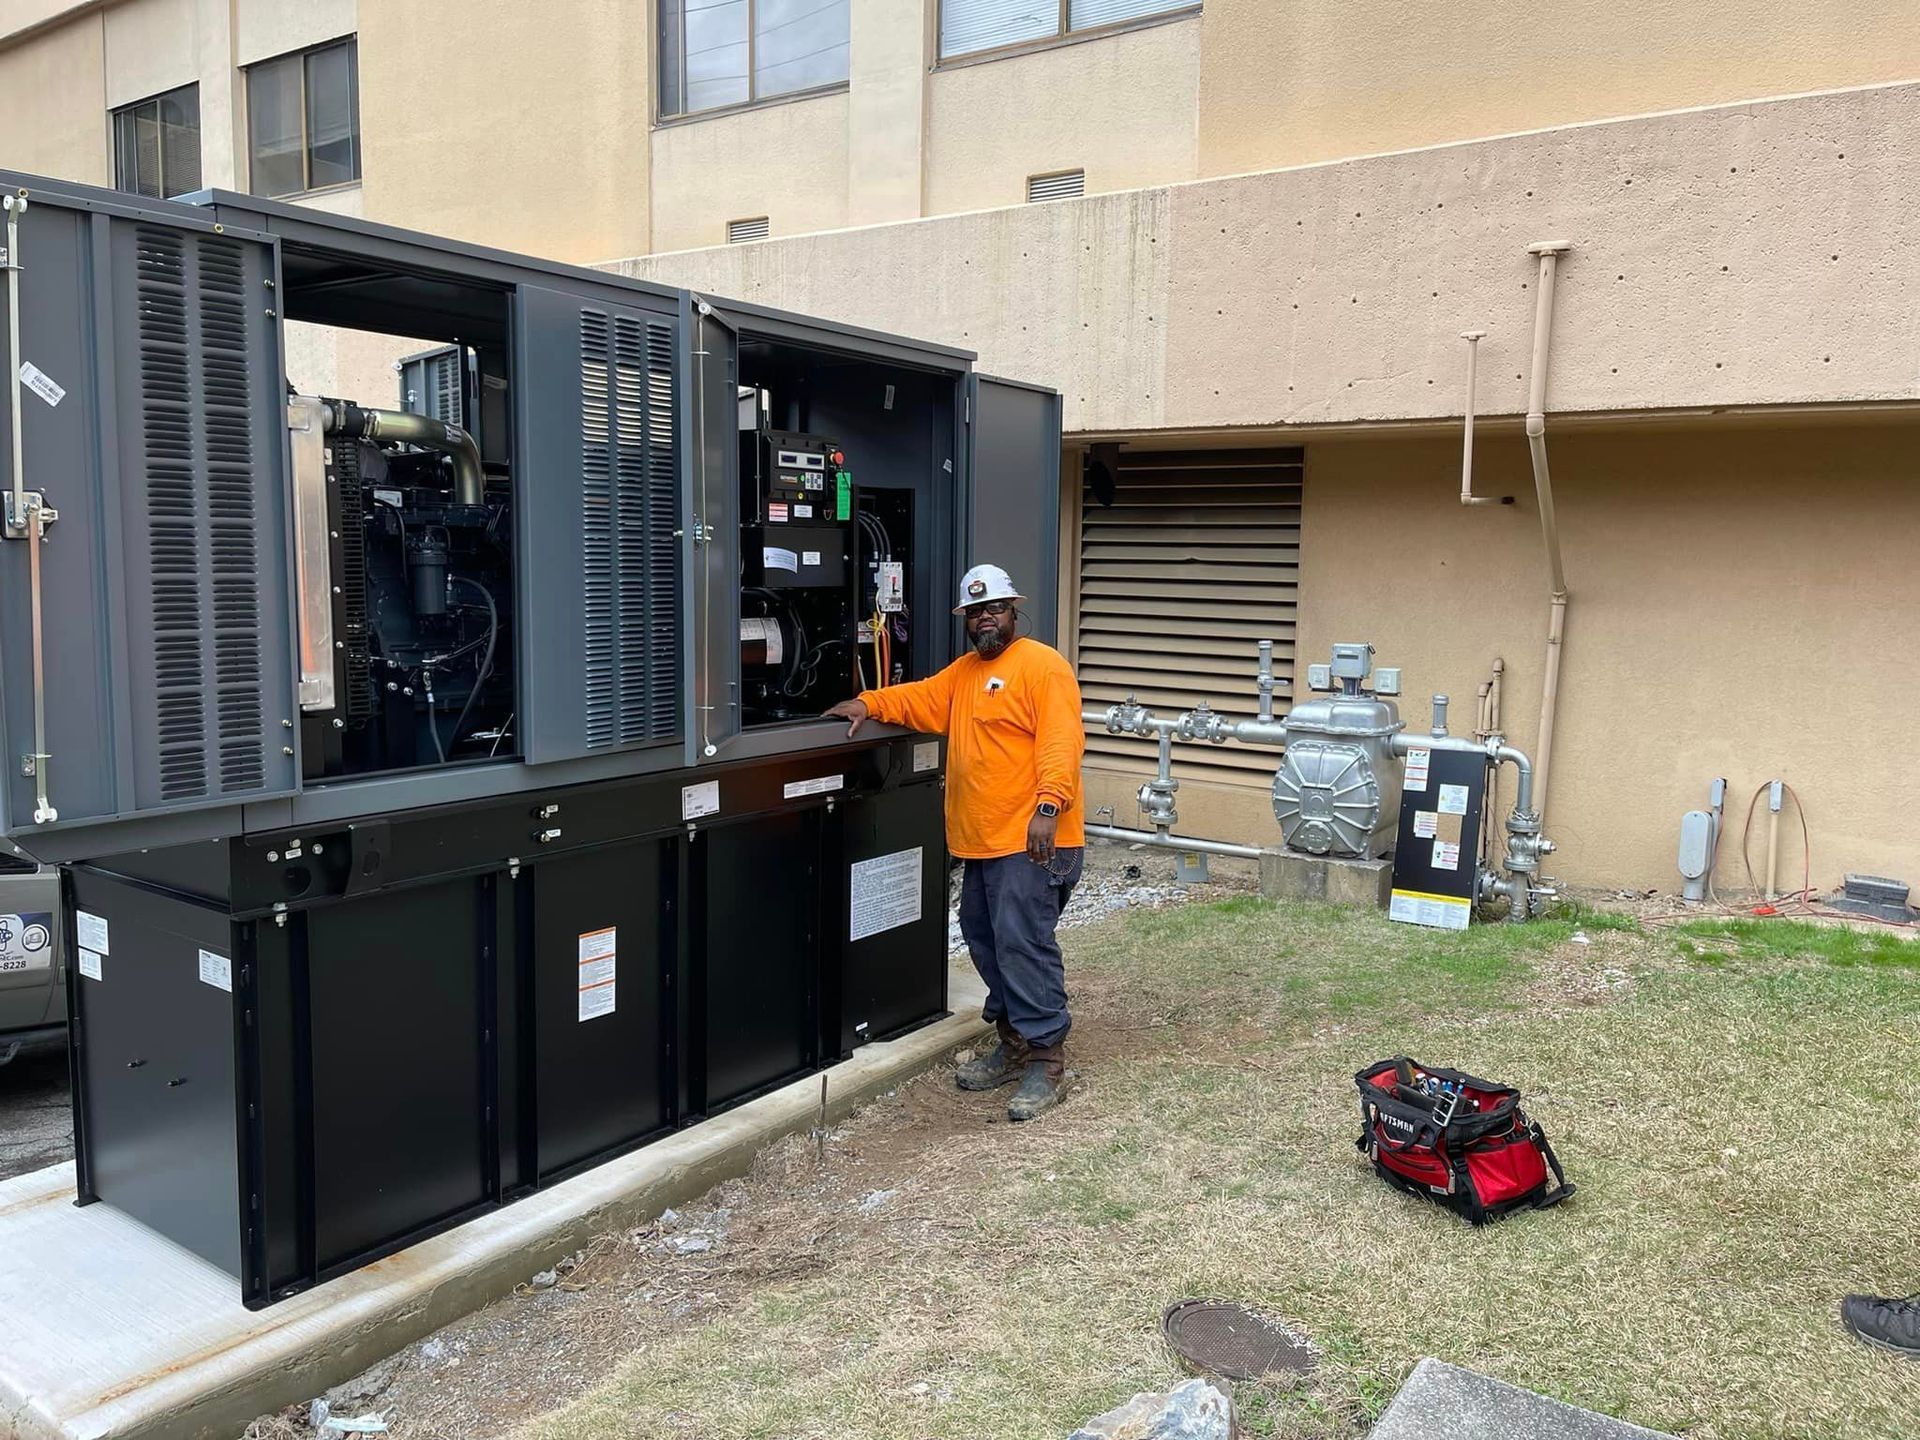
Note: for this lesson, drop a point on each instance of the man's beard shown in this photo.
(988, 643)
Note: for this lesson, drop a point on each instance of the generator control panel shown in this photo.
(801, 480)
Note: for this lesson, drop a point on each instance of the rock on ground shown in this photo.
(1193, 1411)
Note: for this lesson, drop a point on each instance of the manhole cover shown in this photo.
(1218, 1337)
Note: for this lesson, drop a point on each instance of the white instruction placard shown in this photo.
(1417, 762)
(698, 800)
(91, 931)
(90, 964)
(803, 512)
(599, 963)
(886, 893)
(820, 785)
(1453, 799)
(772, 557)
(1425, 824)
(1446, 855)
(1442, 912)
(926, 755)
(810, 558)
(216, 970)
(41, 383)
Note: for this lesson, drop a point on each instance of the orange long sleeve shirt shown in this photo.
(1014, 738)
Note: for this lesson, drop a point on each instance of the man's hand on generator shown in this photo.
(854, 712)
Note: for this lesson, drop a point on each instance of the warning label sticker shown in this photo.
(1417, 762)
(698, 800)
(91, 931)
(1441, 912)
(818, 786)
(886, 893)
(926, 755)
(776, 512)
(26, 942)
(1446, 855)
(90, 964)
(773, 557)
(1453, 799)
(1425, 822)
(216, 970)
(599, 958)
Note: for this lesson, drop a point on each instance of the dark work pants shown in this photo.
(1008, 910)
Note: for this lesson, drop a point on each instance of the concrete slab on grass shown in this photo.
(1444, 1402)
(108, 1330)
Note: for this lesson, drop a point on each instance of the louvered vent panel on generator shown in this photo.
(597, 525)
(629, 560)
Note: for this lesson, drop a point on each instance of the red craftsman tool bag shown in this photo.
(1456, 1139)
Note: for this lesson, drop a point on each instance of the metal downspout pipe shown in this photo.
(1549, 252)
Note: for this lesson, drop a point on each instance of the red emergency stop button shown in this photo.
(838, 458)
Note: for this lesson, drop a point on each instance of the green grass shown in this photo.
(1741, 1135)
(1799, 940)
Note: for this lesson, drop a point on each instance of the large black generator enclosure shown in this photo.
(438, 772)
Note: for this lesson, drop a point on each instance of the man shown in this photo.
(1010, 710)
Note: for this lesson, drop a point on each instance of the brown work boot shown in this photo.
(999, 1066)
(1043, 1086)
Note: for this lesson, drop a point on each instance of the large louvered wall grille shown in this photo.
(630, 563)
(200, 488)
(1194, 563)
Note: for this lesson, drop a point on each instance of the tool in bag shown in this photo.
(1462, 1142)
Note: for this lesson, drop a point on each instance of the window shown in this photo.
(740, 231)
(970, 26)
(729, 52)
(156, 145)
(303, 120)
(1062, 185)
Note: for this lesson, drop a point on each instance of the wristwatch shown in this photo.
(1048, 809)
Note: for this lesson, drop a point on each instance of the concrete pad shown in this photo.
(1288, 875)
(106, 1329)
(1444, 1402)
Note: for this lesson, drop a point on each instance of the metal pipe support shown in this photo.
(1174, 842)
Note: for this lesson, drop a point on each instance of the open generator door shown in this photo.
(1012, 503)
(146, 611)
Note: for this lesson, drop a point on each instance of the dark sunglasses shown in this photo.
(990, 607)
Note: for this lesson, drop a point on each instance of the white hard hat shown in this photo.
(983, 583)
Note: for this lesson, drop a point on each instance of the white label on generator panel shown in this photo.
(767, 631)
(776, 511)
(820, 785)
(1442, 912)
(395, 498)
(810, 558)
(1446, 855)
(599, 959)
(698, 800)
(90, 964)
(1426, 824)
(774, 558)
(803, 512)
(926, 756)
(1453, 799)
(26, 942)
(91, 931)
(886, 893)
(216, 970)
(1417, 761)
(41, 383)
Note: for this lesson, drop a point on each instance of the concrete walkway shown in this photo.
(108, 1330)
(1444, 1402)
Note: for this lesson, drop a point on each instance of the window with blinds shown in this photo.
(156, 145)
(1194, 563)
(970, 27)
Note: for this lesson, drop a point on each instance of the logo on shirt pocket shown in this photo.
(995, 685)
